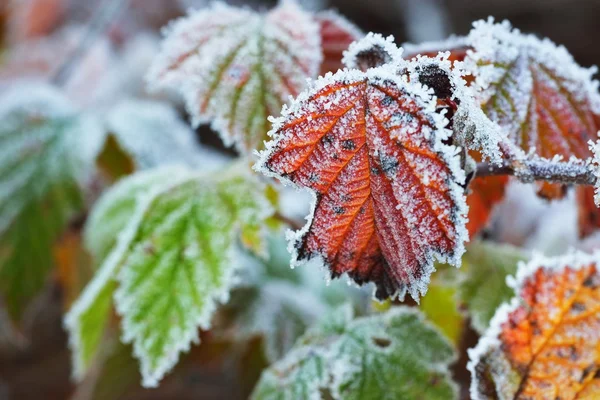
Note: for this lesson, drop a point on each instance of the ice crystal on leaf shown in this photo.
(543, 344)
(395, 355)
(387, 194)
(236, 67)
(47, 150)
(170, 264)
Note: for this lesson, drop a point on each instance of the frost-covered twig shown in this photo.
(543, 170)
(102, 17)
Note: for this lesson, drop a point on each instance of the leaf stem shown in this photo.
(542, 170)
(98, 23)
(293, 224)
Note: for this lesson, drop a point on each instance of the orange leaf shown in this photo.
(484, 194)
(336, 35)
(545, 344)
(387, 189)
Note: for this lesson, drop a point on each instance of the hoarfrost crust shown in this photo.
(450, 154)
(490, 343)
(595, 148)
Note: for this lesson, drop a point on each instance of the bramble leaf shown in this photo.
(387, 189)
(536, 92)
(236, 67)
(172, 262)
(396, 355)
(46, 152)
(544, 343)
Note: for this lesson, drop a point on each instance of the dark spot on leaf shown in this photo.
(327, 138)
(388, 164)
(348, 144)
(345, 198)
(432, 76)
(375, 171)
(577, 307)
(313, 177)
(371, 58)
(387, 100)
(339, 210)
(591, 282)
(381, 342)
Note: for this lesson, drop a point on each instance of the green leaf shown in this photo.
(395, 355)
(172, 261)
(114, 210)
(482, 286)
(46, 152)
(441, 308)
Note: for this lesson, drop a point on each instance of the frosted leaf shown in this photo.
(337, 33)
(534, 90)
(543, 342)
(153, 134)
(482, 287)
(172, 261)
(47, 150)
(396, 355)
(236, 67)
(387, 194)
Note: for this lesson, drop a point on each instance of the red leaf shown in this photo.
(336, 35)
(387, 189)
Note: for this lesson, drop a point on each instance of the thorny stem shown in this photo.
(99, 21)
(541, 170)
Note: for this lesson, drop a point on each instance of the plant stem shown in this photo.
(542, 170)
(288, 221)
(98, 23)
